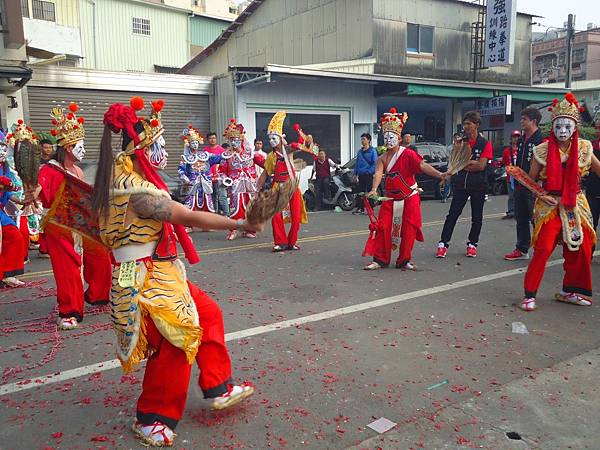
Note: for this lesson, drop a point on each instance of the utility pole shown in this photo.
(570, 36)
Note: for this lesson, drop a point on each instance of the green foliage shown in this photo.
(381, 150)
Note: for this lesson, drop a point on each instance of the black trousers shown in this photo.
(594, 202)
(365, 184)
(459, 200)
(523, 214)
(322, 190)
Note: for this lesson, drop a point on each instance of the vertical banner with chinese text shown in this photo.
(500, 30)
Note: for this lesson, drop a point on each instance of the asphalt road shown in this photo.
(330, 349)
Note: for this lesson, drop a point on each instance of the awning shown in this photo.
(532, 96)
(449, 91)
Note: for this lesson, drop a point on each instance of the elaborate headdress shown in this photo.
(234, 130)
(190, 134)
(22, 132)
(137, 132)
(393, 121)
(276, 123)
(568, 107)
(68, 128)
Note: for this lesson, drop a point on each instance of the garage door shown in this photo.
(179, 111)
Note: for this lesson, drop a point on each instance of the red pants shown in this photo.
(279, 236)
(409, 232)
(12, 254)
(577, 265)
(43, 245)
(24, 229)
(66, 265)
(239, 203)
(167, 376)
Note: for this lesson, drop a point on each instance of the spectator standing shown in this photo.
(509, 157)
(592, 185)
(468, 183)
(406, 142)
(322, 173)
(221, 197)
(365, 168)
(523, 198)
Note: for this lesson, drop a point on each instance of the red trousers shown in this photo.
(279, 235)
(67, 268)
(43, 245)
(410, 231)
(167, 376)
(24, 229)
(12, 254)
(577, 265)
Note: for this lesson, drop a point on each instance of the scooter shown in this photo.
(340, 192)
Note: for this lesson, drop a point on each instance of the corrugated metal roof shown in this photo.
(251, 9)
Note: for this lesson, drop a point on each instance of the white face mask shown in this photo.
(79, 150)
(235, 143)
(390, 139)
(274, 139)
(194, 145)
(564, 128)
(158, 154)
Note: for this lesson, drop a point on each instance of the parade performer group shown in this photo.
(561, 212)
(399, 221)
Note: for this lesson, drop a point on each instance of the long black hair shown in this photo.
(104, 174)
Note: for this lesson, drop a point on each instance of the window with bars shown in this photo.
(43, 10)
(419, 38)
(141, 26)
(25, 8)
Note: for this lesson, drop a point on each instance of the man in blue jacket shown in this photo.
(365, 168)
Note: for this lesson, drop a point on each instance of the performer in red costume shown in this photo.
(239, 165)
(70, 261)
(279, 166)
(399, 222)
(562, 213)
(156, 312)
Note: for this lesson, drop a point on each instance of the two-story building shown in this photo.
(550, 58)
(336, 65)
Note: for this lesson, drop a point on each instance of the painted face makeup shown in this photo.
(274, 140)
(564, 128)
(194, 145)
(79, 150)
(158, 155)
(390, 139)
(235, 143)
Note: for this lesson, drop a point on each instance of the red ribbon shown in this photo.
(564, 180)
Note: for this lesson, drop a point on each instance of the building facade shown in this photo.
(550, 58)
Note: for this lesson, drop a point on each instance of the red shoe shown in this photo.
(441, 251)
(471, 251)
(516, 255)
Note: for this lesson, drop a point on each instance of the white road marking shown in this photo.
(24, 385)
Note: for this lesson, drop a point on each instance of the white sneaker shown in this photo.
(528, 304)
(233, 396)
(232, 235)
(67, 323)
(13, 282)
(573, 298)
(155, 435)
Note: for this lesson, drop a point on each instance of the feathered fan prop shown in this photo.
(268, 203)
(27, 161)
(459, 158)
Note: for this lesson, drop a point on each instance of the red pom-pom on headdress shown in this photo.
(53, 132)
(20, 121)
(158, 105)
(137, 103)
(81, 120)
(393, 110)
(232, 120)
(190, 126)
(154, 123)
(73, 107)
(70, 116)
(54, 122)
(296, 126)
(300, 140)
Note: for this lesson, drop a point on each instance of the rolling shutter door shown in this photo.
(179, 111)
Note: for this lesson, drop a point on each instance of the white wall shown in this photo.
(51, 37)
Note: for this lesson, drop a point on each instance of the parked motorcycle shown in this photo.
(340, 192)
(496, 178)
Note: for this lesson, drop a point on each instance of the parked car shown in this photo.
(432, 153)
(176, 187)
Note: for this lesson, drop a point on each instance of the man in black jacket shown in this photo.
(531, 137)
(592, 184)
